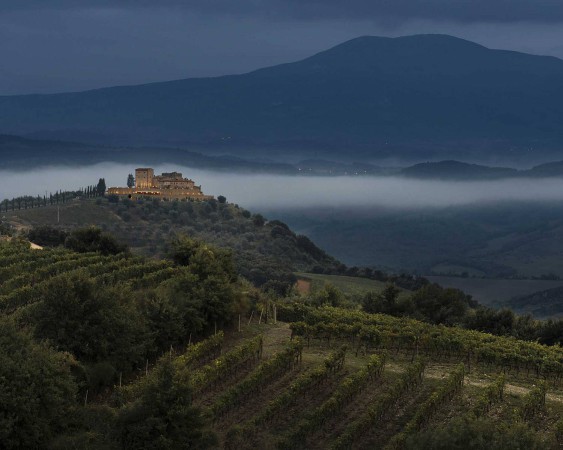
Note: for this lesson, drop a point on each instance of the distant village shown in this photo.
(167, 186)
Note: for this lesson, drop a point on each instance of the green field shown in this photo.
(348, 285)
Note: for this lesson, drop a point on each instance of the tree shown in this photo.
(371, 303)
(258, 220)
(94, 323)
(170, 317)
(130, 181)
(328, 296)
(438, 305)
(389, 296)
(222, 199)
(384, 302)
(499, 322)
(164, 416)
(101, 188)
(203, 259)
(551, 332)
(207, 285)
(182, 249)
(47, 236)
(92, 239)
(37, 391)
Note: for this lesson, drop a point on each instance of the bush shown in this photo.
(37, 392)
(95, 324)
(258, 220)
(101, 375)
(47, 236)
(92, 239)
(164, 417)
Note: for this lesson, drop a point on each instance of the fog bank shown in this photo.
(279, 191)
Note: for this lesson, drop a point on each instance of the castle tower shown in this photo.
(144, 178)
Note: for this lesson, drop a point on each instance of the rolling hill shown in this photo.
(544, 303)
(456, 170)
(263, 250)
(122, 369)
(416, 95)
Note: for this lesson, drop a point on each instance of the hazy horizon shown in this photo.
(287, 191)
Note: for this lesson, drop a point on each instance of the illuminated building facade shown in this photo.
(167, 186)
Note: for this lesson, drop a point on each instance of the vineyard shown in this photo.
(306, 377)
(23, 274)
(314, 392)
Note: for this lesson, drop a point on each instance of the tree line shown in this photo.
(59, 197)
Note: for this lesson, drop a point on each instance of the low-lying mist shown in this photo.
(278, 191)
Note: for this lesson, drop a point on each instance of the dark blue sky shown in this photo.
(81, 44)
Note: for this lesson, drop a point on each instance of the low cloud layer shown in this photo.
(273, 192)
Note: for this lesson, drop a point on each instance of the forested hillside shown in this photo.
(493, 240)
(264, 250)
(103, 349)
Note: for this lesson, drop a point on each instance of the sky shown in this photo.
(51, 46)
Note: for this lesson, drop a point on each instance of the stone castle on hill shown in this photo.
(168, 186)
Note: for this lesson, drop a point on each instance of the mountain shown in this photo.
(550, 169)
(23, 153)
(377, 97)
(456, 170)
(16, 150)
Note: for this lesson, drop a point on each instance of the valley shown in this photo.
(281, 226)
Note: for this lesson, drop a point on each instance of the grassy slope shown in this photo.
(348, 285)
(147, 227)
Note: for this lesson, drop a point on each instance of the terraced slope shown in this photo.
(312, 392)
(314, 378)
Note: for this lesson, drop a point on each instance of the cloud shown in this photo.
(499, 11)
(271, 192)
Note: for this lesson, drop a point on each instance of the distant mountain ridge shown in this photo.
(22, 153)
(376, 97)
(18, 152)
(457, 170)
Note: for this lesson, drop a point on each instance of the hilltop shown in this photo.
(264, 250)
(409, 96)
